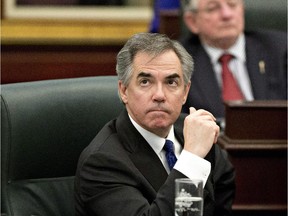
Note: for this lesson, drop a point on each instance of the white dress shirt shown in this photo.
(237, 65)
(191, 165)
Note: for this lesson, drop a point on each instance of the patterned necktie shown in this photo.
(230, 88)
(170, 156)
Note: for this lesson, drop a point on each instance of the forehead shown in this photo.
(166, 61)
(167, 57)
(205, 2)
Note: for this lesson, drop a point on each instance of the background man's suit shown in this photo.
(120, 174)
(270, 84)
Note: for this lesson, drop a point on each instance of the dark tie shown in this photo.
(230, 88)
(170, 156)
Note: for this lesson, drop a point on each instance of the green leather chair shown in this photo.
(44, 127)
(266, 14)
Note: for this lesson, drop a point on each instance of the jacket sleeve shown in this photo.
(109, 186)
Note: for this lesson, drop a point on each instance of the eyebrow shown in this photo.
(144, 74)
(172, 76)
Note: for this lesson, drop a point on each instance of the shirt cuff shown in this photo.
(193, 167)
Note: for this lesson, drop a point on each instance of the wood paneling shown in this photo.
(258, 120)
(170, 23)
(255, 138)
(69, 31)
(40, 49)
(20, 63)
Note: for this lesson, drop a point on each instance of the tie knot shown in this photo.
(169, 146)
(225, 58)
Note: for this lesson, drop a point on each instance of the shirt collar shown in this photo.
(156, 142)
(237, 50)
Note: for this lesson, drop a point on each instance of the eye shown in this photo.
(144, 82)
(213, 7)
(233, 3)
(172, 82)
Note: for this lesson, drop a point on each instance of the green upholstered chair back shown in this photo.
(44, 127)
(266, 14)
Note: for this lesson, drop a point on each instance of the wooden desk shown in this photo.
(23, 63)
(256, 140)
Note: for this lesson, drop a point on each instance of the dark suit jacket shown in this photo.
(270, 47)
(120, 174)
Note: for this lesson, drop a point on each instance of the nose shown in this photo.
(158, 94)
(226, 10)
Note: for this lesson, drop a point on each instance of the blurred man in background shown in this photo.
(231, 64)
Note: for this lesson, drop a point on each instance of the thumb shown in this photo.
(192, 110)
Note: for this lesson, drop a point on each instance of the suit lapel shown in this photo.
(256, 66)
(205, 76)
(142, 155)
(204, 85)
(150, 166)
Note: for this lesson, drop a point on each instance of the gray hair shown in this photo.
(190, 5)
(154, 44)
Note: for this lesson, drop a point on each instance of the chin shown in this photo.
(159, 123)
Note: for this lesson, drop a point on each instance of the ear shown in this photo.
(190, 19)
(122, 90)
(187, 88)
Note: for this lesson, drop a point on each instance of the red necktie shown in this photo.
(230, 88)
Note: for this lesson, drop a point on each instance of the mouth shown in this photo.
(158, 110)
(228, 26)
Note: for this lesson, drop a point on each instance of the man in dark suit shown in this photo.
(124, 170)
(259, 63)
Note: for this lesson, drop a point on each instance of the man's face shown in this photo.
(218, 21)
(156, 92)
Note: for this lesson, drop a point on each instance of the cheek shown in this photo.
(241, 22)
(177, 102)
(178, 105)
(207, 26)
(137, 100)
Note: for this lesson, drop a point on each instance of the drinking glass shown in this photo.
(188, 197)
